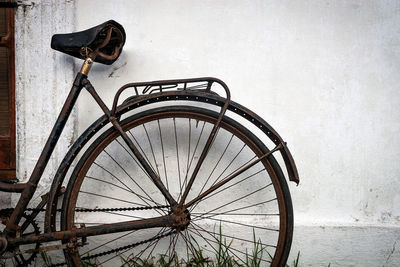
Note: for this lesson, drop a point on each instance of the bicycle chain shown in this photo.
(8, 210)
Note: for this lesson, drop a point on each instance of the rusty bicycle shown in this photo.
(166, 171)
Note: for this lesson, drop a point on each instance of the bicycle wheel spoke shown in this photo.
(210, 242)
(189, 244)
(153, 247)
(212, 214)
(172, 243)
(151, 147)
(108, 242)
(116, 255)
(154, 242)
(228, 179)
(236, 238)
(112, 198)
(209, 214)
(163, 154)
(192, 157)
(210, 140)
(188, 155)
(230, 164)
(135, 160)
(216, 164)
(242, 224)
(230, 186)
(238, 199)
(225, 188)
(114, 176)
(177, 153)
(214, 251)
(219, 243)
(141, 149)
(173, 248)
(120, 187)
(223, 171)
(133, 180)
(125, 215)
(199, 234)
(230, 249)
(187, 247)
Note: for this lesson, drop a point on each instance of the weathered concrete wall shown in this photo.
(43, 80)
(323, 73)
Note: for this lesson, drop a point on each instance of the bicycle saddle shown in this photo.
(102, 43)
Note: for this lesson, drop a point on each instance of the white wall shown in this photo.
(323, 73)
(43, 81)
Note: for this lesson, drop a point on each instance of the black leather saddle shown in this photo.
(102, 43)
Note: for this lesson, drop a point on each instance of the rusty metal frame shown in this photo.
(154, 92)
(186, 89)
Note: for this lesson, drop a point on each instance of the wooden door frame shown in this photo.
(9, 142)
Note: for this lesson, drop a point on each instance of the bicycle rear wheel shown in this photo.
(249, 219)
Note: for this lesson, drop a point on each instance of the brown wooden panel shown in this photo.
(7, 94)
(3, 22)
(5, 146)
(7, 174)
(4, 93)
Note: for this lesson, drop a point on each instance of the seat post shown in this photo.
(87, 64)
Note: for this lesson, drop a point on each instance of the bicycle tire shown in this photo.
(109, 149)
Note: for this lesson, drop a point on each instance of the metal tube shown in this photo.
(16, 188)
(86, 66)
(163, 221)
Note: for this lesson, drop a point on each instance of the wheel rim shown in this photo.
(246, 215)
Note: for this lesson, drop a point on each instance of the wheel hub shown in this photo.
(181, 219)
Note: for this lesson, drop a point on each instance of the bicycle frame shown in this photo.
(28, 189)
